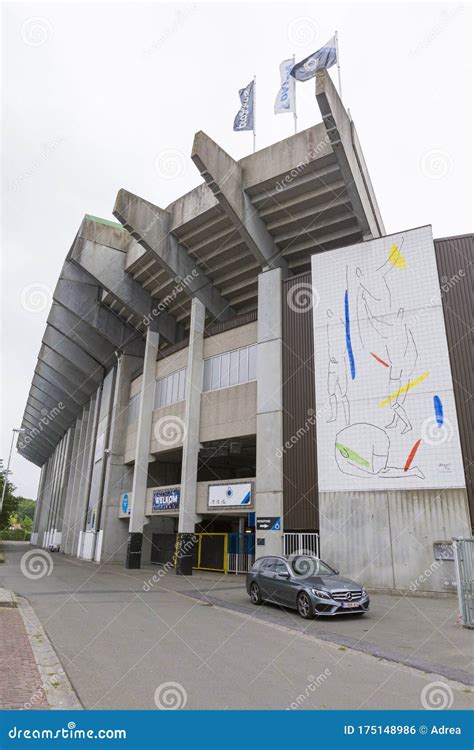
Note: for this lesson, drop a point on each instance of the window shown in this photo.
(170, 389)
(230, 368)
(133, 406)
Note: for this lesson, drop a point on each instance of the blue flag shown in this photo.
(244, 117)
(325, 57)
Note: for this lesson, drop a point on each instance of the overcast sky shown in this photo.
(103, 96)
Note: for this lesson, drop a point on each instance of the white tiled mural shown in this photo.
(386, 417)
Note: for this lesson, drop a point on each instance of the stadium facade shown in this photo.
(239, 367)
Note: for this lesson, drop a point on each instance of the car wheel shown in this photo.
(255, 595)
(304, 606)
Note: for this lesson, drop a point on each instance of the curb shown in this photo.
(54, 682)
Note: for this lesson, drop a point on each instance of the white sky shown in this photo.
(112, 86)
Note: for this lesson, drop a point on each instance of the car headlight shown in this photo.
(320, 594)
(364, 592)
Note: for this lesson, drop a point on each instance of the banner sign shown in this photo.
(225, 495)
(167, 499)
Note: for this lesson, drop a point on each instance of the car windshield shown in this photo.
(305, 566)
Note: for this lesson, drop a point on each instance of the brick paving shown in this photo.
(20, 681)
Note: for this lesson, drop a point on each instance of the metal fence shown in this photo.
(464, 562)
(240, 552)
(301, 542)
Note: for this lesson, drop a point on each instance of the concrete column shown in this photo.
(69, 503)
(187, 507)
(114, 529)
(142, 451)
(39, 502)
(86, 471)
(76, 487)
(269, 479)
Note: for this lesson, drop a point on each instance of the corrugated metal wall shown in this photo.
(300, 490)
(385, 539)
(455, 256)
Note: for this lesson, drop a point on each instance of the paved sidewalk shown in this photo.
(20, 683)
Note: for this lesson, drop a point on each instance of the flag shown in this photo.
(244, 117)
(285, 100)
(325, 57)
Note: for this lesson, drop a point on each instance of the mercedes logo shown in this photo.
(348, 596)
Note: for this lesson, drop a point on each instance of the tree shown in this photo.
(26, 509)
(10, 503)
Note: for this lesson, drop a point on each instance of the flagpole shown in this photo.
(254, 112)
(338, 63)
(295, 116)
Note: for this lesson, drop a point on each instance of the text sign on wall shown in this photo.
(225, 495)
(167, 499)
(384, 391)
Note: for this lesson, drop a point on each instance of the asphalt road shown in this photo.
(127, 642)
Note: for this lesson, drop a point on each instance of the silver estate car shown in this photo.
(306, 584)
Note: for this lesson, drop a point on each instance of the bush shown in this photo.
(13, 535)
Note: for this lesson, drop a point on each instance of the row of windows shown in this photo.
(230, 368)
(221, 371)
(170, 389)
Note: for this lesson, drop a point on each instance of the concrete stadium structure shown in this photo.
(172, 371)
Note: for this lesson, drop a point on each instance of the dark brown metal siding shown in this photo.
(455, 256)
(226, 325)
(300, 492)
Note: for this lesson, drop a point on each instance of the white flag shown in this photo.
(285, 101)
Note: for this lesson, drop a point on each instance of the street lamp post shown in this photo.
(19, 430)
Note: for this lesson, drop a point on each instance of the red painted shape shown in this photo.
(411, 455)
(382, 361)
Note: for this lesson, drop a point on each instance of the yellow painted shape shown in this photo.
(405, 388)
(396, 258)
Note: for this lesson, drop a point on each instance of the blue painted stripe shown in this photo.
(348, 335)
(246, 499)
(438, 410)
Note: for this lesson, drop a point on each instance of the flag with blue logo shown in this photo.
(244, 117)
(285, 100)
(325, 57)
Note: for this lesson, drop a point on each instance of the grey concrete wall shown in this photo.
(385, 539)
(229, 412)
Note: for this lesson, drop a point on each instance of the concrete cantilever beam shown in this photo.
(100, 249)
(52, 427)
(67, 374)
(345, 144)
(48, 375)
(73, 328)
(47, 401)
(224, 177)
(77, 292)
(149, 225)
(85, 364)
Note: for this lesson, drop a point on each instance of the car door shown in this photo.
(266, 578)
(283, 584)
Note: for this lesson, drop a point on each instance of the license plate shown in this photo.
(350, 605)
